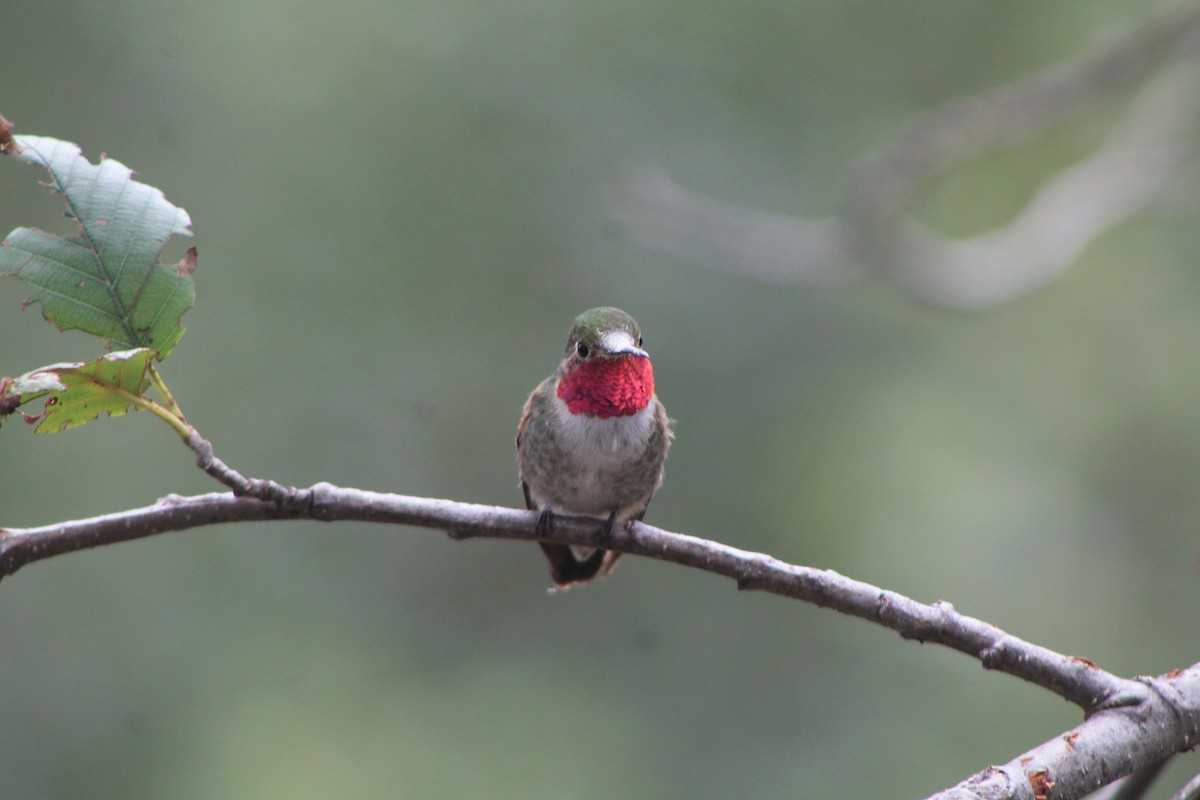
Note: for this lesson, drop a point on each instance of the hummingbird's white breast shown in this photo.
(600, 458)
(613, 440)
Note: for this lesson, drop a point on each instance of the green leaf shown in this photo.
(79, 392)
(106, 279)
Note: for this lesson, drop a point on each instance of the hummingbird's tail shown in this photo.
(569, 568)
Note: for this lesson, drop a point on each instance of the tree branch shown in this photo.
(1163, 719)
(1072, 678)
(1129, 723)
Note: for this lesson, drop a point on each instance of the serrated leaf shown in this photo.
(81, 391)
(106, 279)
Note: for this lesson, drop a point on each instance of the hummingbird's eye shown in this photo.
(639, 341)
(582, 350)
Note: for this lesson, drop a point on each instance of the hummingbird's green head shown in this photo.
(605, 372)
(605, 331)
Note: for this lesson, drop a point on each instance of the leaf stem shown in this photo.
(169, 403)
(175, 420)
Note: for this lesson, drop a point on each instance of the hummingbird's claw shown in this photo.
(610, 527)
(545, 523)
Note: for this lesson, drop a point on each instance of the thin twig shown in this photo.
(268, 491)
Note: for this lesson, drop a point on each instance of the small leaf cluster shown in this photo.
(106, 279)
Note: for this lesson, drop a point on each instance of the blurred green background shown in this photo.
(399, 208)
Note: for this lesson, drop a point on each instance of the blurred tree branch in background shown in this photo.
(875, 232)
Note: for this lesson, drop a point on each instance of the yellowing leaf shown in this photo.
(79, 392)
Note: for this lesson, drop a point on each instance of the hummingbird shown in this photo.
(592, 439)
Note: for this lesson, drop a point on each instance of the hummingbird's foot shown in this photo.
(545, 523)
(610, 527)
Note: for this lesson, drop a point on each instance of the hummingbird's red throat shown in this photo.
(608, 387)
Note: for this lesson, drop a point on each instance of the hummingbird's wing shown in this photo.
(530, 408)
